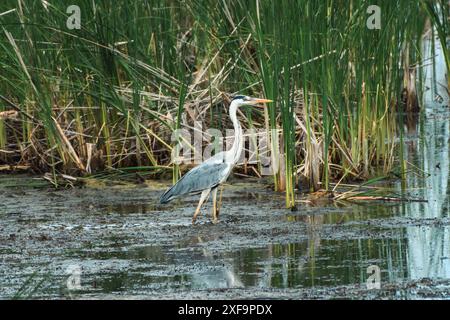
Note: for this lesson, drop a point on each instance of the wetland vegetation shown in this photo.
(360, 115)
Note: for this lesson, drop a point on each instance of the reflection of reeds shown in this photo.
(109, 95)
(30, 286)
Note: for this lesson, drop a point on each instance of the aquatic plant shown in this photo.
(105, 98)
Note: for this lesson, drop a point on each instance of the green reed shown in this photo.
(111, 93)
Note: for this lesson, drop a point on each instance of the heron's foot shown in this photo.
(194, 219)
(215, 220)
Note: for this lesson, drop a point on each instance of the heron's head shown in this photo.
(246, 101)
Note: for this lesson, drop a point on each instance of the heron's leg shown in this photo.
(220, 202)
(203, 197)
(214, 208)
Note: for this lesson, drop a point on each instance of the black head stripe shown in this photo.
(239, 97)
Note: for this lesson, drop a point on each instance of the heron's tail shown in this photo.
(166, 196)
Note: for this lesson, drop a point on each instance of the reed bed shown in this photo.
(104, 99)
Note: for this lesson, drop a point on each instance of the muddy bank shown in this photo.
(125, 245)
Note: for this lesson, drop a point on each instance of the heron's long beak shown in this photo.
(261, 101)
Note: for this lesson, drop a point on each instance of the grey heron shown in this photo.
(208, 176)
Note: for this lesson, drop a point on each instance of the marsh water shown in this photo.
(116, 242)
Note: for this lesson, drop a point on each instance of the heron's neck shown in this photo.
(234, 153)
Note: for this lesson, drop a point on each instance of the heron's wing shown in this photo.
(205, 176)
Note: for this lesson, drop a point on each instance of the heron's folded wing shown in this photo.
(205, 176)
